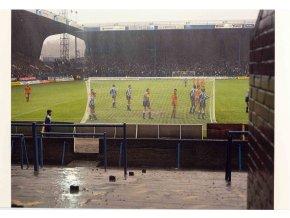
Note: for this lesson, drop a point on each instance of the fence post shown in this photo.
(35, 140)
(125, 149)
(240, 157)
(105, 152)
(41, 150)
(120, 155)
(230, 158)
(12, 146)
(26, 156)
(21, 146)
(63, 152)
(178, 155)
(227, 159)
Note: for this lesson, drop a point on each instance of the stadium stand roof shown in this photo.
(31, 28)
(163, 25)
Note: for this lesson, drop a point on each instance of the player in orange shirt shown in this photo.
(202, 84)
(174, 103)
(27, 91)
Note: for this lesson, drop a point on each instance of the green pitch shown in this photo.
(68, 101)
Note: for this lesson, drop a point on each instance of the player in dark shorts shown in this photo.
(113, 93)
(192, 100)
(92, 115)
(146, 104)
(185, 82)
(128, 97)
(202, 103)
(197, 95)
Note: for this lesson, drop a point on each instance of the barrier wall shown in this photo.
(194, 154)
(220, 130)
(52, 150)
(143, 149)
(27, 130)
(149, 131)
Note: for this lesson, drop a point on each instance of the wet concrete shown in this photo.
(155, 189)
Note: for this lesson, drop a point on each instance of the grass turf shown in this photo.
(68, 101)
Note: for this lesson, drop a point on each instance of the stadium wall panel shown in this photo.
(110, 132)
(191, 132)
(84, 129)
(147, 131)
(169, 131)
(131, 131)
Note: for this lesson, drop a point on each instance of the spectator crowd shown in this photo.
(112, 67)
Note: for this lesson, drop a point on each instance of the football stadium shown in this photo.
(146, 112)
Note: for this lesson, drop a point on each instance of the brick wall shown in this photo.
(261, 113)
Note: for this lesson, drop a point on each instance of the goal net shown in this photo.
(161, 89)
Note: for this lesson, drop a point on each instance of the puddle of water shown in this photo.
(26, 204)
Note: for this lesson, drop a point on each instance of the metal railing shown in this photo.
(21, 138)
(228, 173)
(103, 135)
(35, 137)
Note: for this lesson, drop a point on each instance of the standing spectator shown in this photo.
(48, 121)
(247, 102)
(27, 91)
(174, 103)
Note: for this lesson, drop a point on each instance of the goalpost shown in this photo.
(87, 110)
(179, 76)
(192, 74)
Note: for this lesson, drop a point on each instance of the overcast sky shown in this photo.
(112, 16)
